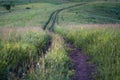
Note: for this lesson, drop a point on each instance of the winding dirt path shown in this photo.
(53, 17)
(83, 69)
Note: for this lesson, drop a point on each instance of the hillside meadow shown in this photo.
(27, 52)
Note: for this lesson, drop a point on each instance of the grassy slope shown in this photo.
(36, 16)
(101, 44)
(97, 12)
(39, 13)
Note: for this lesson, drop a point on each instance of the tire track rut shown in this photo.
(83, 70)
(53, 17)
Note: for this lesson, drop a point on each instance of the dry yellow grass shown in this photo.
(5, 31)
(74, 26)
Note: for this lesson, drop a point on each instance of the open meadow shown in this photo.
(60, 40)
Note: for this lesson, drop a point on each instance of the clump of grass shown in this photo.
(102, 44)
(55, 65)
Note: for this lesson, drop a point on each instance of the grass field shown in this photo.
(102, 44)
(21, 17)
(96, 12)
(20, 48)
(27, 52)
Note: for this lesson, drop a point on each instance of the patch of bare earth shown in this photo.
(83, 69)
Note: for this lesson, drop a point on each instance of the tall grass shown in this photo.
(19, 52)
(55, 65)
(102, 44)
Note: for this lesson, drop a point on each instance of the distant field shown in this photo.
(36, 16)
(96, 12)
(39, 13)
(19, 16)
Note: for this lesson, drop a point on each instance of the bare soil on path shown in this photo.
(83, 69)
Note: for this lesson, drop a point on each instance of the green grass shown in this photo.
(96, 12)
(39, 13)
(36, 16)
(19, 50)
(102, 44)
(55, 65)
(21, 17)
(23, 48)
